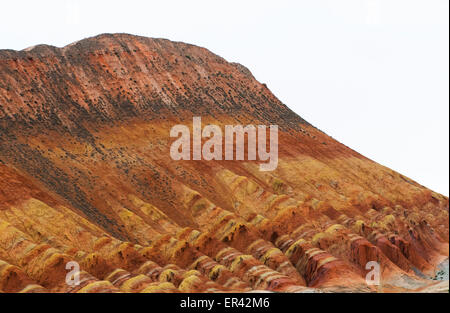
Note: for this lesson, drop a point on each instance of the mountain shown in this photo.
(86, 175)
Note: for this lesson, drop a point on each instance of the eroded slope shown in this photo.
(86, 175)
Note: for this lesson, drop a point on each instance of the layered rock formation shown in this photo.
(86, 176)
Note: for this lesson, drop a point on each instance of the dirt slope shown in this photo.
(86, 175)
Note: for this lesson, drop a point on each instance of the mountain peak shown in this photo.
(86, 176)
(112, 76)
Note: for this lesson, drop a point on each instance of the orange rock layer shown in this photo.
(86, 176)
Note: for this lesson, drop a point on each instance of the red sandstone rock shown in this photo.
(86, 175)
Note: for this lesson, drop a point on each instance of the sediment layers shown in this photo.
(86, 176)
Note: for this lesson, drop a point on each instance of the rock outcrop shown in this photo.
(86, 176)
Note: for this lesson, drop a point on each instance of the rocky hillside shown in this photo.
(86, 176)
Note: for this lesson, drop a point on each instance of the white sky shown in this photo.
(373, 74)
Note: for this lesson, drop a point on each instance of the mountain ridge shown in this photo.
(87, 176)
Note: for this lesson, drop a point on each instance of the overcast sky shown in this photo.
(374, 74)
